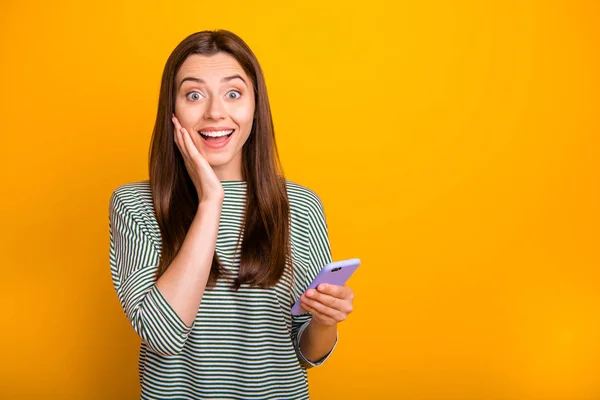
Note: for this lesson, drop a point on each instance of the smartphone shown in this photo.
(334, 273)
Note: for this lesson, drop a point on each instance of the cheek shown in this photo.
(243, 116)
(243, 112)
(188, 116)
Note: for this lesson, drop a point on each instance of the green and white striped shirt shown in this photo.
(241, 345)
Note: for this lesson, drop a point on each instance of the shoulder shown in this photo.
(133, 199)
(133, 194)
(302, 198)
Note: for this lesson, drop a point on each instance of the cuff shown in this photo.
(304, 359)
(168, 313)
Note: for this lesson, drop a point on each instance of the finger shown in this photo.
(321, 318)
(196, 156)
(194, 140)
(340, 292)
(329, 301)
(323, 309)
(176, 124)
(187, 142)
(193, 150)
(183, 150)
(178, 136)
(179, 142)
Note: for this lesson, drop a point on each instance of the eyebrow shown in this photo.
(198, 80)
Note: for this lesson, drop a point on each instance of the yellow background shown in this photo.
(454, 145)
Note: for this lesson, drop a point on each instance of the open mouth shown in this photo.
(217, 136)
(216, 139)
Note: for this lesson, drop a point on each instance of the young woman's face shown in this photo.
(214, 94)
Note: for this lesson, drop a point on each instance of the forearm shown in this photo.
(317, 340)
(184, 282)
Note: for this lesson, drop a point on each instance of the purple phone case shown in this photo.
(343, 270)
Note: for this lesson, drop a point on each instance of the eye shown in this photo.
(194, 96)
(234, 91)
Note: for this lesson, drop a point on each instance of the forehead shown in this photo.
(209, 68)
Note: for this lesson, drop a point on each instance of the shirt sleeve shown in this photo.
(134, 259)
(319, 252)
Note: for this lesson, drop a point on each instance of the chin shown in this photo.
(218, 161)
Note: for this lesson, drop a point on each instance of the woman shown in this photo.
(209, 255)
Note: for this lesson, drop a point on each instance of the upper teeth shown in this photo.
(216, 133)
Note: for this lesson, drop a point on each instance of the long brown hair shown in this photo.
(265, 248)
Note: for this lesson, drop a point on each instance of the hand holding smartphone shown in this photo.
(334, 273)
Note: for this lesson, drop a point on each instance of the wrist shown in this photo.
(322, 329)
(215, 202)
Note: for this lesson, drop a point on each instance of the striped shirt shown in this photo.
(241, 345)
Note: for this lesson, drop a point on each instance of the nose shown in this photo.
(214, 109)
